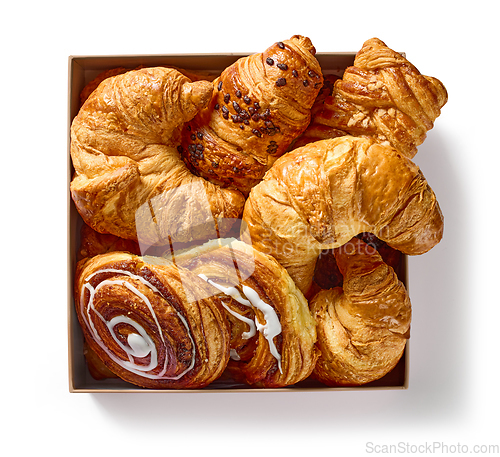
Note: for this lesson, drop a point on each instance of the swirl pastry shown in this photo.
(272, 330)
(136, 318)
(384, 97)
(321, 195)
(259, 105)
(362, 327)
(129, 179)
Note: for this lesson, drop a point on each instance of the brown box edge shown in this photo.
(101, 63)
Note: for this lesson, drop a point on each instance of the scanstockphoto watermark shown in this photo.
(435, 447)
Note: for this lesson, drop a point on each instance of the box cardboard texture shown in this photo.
(83, 69)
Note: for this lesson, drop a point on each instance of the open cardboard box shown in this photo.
(83, 69)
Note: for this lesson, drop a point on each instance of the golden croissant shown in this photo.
(129, 179)
(321, 195)
(273, 333)
(260, 104)
(135, 317)
(363, 326)
(382, 96)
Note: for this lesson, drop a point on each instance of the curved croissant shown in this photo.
(321, 195)
(272, 330)
(129, 177)
(259, 105)
(137, 319)
(362, 327)
(384, 97)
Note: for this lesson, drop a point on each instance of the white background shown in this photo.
(453, 397)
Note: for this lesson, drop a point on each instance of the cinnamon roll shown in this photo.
(137, 320)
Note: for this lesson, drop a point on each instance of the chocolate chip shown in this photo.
(312, 74)
(180, 149)
(266, 114)
(235, 169)
(256, 117)
(227, 97)
(272, 147)
(199, 147)
(238, 93)
(193, 136)
(305, 82)
(282, 66)
(219, 86)
(247, 100)
(216, 106)
(295, 73)
(256, 105)
(225, 110)
(242, 127)
(199, 135)
(270, 61)
(256, 132)
(236, 107)
(281, 82)
(251, 110)
(281, 45)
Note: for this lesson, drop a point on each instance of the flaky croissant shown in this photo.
(321, 195)
(259, 105)
(273, 333)
(129, 177)
(382, 96)
(137, 319)
(362, 327)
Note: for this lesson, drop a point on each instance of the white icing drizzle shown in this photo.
(252, 327)
(140, 344)
(270, 329)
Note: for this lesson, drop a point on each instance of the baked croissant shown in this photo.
(129, 179)
(137, 319)
(362, 328)
(321, 195)
(384, 97)
(273, 333)
(259, 105)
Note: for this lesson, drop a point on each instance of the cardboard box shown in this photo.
(83, 69)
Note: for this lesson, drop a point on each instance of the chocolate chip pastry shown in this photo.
(260, 104)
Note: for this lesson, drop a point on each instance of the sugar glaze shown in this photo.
(272, 326)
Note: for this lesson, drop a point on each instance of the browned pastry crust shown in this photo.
(93, 243)
(382, 96)
(362, 328)
(259, 105)
(94, 83)
(286, 356)
(315, 131)
(128, 175)
(137, 319)
(327, 274)
(97, 369)
(321, 195)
